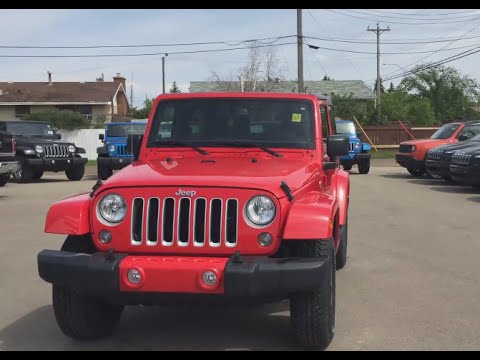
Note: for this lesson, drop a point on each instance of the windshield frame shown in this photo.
(49, 127)
(213, 142)
(436, 134)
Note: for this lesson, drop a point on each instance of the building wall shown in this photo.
(7, 112)
(85, 138)
(102, 110)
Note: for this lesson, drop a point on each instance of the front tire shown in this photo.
(76, 173)
(80, 316)
(4, 179)
(103, 172)
(347, 167)
(430, 175)
(24, 174)
(364, 166)
(416, 172)
(312, 313)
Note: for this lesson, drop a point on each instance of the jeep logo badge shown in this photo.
(181, 192)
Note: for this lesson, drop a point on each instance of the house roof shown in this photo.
(57, 92)
(357, 88)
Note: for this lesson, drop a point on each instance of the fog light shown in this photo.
(134, 276)
(265, 239)
(209, 278)
(105, 236)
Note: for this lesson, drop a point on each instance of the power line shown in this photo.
(142, 54)
(417, 14)
(409, 18)
(145, 45)
(397, 22)
(352, 41)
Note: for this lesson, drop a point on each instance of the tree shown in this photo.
(60, 119)
(326, 78)
(144, 112)
(175, 89)
(450, 94)
(261, 72)
(391, 88)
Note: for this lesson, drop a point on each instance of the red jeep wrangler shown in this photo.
(241, 200)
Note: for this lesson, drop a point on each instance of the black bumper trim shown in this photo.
(262, 276)
(114, 163)
(83, 272)
(407, 161)
(363, 156)
(438, 167)
(468, 175)
(55, 164)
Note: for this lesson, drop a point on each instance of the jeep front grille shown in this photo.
(405, 148)
(351, 147)
(188, 222)
(52, 151)
(434, 154)
(461, 159)
(122, 150)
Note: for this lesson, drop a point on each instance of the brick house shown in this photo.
(99, 99)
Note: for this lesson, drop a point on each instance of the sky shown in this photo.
(347, 51)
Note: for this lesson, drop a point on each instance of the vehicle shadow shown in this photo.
(474, 199)
(397, 176)
(433, 182)
(162, 328)
(459, 189)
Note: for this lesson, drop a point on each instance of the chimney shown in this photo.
(49, 77)
(120, 80)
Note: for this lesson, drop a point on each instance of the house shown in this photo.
(356, 88)
(100, 99)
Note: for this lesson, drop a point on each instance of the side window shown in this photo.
(468, 132)
(323, 113)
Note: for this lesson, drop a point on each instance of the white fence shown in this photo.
(85, 138)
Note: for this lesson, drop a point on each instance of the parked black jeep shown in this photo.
(8, 164)
(465, 166)
(39, 150)
(437, 160)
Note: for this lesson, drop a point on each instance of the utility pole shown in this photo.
(131, 92)
(301, 87)
(378, 31)
(163, 72)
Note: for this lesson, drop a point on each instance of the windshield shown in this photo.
(125, 129)
(30, 128)
(282, 123)
(445, 131)
(346, 127)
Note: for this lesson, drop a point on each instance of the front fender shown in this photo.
(310, 217)
(366, 147)
(101, 150)
(341, 184)
(69, 216)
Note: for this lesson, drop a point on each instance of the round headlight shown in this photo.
(357, 145)
(71, 148)
(39, 148)
(413, 148)
(112, 208)
(260, 210)
(111, 148)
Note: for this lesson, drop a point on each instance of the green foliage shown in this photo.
(60, 119)
(144, 112)
(450, 94)
(175, 89)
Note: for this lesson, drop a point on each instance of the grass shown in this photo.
(384, 153)
(92, 162)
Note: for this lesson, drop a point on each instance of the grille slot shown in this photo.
(184, 222)
(121, 150)
(168, 221)
(137, 221)
(232, 222)
(215, 222)
(200, 223)
(152, 221)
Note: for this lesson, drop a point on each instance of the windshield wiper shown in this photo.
(183, 144)
(247, 144)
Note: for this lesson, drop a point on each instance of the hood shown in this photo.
(472, 149)
(117, 140)
(35, 140)
(459, 146)
(218, 171)
(425, 142)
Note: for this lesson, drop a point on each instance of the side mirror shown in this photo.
(134, 143)
(463, 137)
(58, 136)
(337, 145)
(101, 137)
(359, 134)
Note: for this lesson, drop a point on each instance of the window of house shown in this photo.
(21, 110)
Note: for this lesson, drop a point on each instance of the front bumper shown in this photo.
(55, 164)
(409, 162)
(468, 175)
(438, 167)
(253, 277)
(114, 163)
(355, 158)
(8, 167)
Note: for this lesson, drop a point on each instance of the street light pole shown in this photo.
(401, 68)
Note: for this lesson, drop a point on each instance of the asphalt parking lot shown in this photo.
(411, 281)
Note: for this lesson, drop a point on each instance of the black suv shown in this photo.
(437, 160)
(39, 150)
(465, 166)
